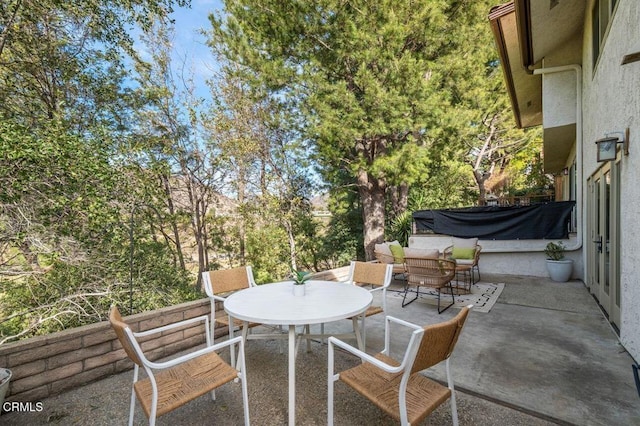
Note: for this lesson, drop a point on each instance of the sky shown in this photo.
(189, 46)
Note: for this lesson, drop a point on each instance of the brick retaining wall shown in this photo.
(47, 365)
(44, 366)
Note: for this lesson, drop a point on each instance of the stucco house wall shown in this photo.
(611, 102)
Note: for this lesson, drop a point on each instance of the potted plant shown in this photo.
(559, 267)
(299, 279)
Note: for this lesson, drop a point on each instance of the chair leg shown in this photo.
(331, 379)
(453, 300)
(213, 327)
(454, 408)
(357, 332)
(132, 407)
(406, 290)
(364, 333)
(245, 393)
(232, 348)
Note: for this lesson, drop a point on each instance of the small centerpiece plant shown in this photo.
(300, 277)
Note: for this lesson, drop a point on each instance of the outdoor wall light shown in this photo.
(607, 146)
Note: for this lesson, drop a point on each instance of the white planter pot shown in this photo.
(560, 270)
(299, 289)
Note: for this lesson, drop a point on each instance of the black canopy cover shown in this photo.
(537, 221)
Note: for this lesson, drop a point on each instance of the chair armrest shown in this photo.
(390, 319)
(204, 318)
(364, 356)
(219, 298)
(476, 257)
(196, 354)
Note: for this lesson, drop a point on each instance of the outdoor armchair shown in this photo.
(171, 384)
(398, 388)
(383, 254)
(466, 253)
(428, 272)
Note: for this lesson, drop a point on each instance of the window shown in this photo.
(601, 16)
(573, 189)
(595, 32)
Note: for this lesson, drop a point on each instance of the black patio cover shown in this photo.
(537, 221)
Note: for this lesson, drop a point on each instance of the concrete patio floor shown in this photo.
(543, 355)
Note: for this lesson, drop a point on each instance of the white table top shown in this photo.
(275, 304)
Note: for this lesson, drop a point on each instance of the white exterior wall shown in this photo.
(612, 103)
(559, 89)
(507, 257)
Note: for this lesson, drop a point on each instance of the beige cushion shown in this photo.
(421, 253)
(465, 242)
(383, 249)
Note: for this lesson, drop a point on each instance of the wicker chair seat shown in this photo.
(406, 395)
(373, 310)
(433, 273)
(180, 379)
(185, 382)
(423, 395)
(223, 319)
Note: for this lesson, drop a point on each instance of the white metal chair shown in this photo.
(398, 388)
(225, 282)
(378, 276)
(173, 383)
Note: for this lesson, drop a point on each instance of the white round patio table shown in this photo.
(275, 304)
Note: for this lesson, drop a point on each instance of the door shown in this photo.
(603, 270)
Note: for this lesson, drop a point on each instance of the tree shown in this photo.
(264, 164)
(365, 75)
(66, 59)
(480, 118)
(173, 150)
(64, 207)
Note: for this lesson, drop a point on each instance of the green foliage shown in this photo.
(73, 294)
(268, 254)
(112, 191)
(66, 197)
(300, 277)
(555, 251)
(375, 82)
(401, 228)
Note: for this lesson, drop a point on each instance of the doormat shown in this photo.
(483, 296)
